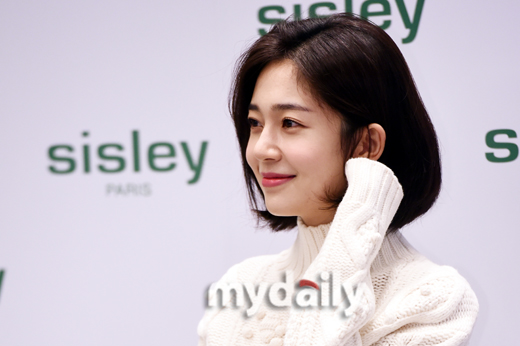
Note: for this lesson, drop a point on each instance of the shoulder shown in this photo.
(244, 271)
(432, 295)
(423, 300)
(250, 268)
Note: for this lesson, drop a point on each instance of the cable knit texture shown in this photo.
(392, 294)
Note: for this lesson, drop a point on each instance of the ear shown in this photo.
(371, 143)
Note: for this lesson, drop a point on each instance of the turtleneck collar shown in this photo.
(310, 239)
(394, 248)
(305, 248)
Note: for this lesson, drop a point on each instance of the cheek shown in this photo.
(323, 167)
(250, 158)
(314, 158)
(336, 180)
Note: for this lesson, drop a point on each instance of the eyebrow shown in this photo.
(281, 107)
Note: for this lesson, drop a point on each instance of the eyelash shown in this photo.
(284, 122)
(255, 123)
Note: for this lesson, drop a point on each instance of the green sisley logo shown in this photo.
(368, 9)
(503, 144)
(2, 271)
(116, 157)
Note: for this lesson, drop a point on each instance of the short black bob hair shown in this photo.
(354, 67)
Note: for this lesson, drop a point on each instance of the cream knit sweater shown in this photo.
(395, 296)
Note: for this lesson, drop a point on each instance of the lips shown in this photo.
(275, 179)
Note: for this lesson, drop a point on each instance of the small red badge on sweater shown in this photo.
(309, 283)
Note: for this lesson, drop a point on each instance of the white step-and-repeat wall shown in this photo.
(121, 189)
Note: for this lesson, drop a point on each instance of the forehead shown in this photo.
(279, 83)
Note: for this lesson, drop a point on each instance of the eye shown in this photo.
(290, 123)
(253, 122)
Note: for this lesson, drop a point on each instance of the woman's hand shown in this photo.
(353, 241)
(362, 218)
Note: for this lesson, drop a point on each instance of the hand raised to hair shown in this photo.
(354, 239)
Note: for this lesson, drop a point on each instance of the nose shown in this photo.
(266, 146)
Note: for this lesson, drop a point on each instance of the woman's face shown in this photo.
(294, 147)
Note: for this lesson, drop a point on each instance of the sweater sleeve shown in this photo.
(440, 311)
(353, 241)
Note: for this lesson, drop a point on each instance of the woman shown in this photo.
(336, 140)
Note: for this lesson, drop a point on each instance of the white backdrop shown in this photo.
(123, 258)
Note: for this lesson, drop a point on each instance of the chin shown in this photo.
(278, 210)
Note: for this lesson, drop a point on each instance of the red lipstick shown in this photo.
(275, 179)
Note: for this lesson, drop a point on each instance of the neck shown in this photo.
(322, 218)
(311, 238)
(305, 249)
